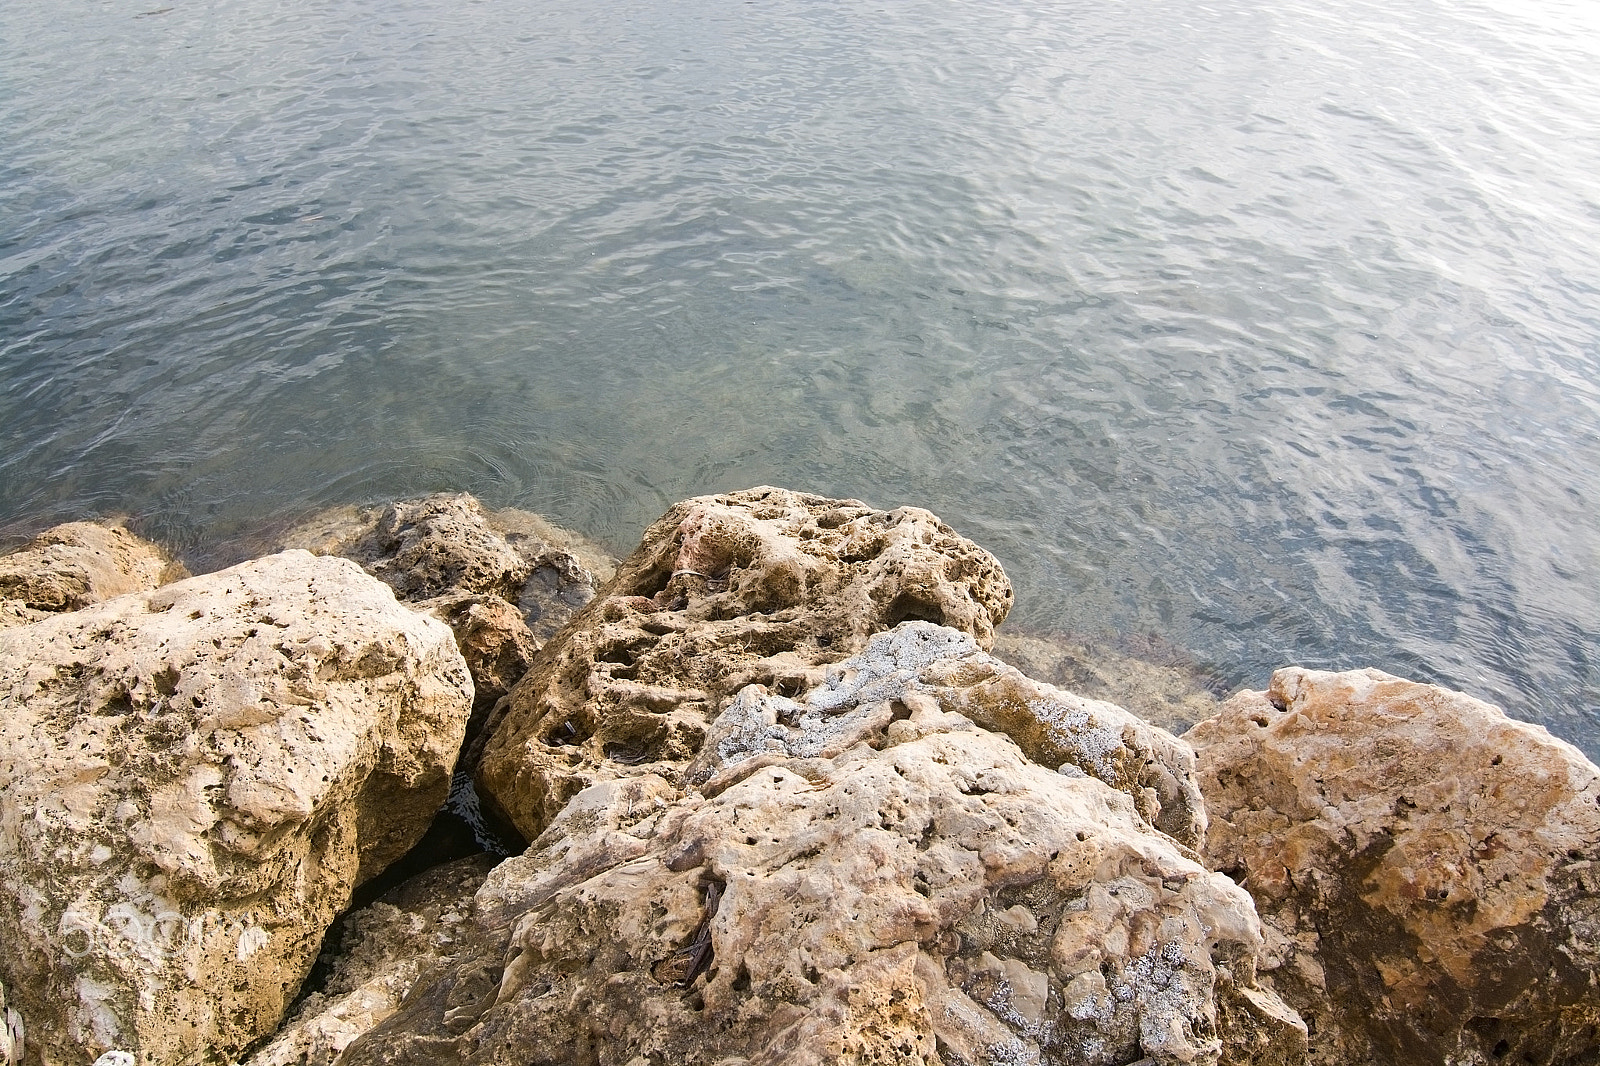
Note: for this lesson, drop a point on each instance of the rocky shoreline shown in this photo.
(777, 788)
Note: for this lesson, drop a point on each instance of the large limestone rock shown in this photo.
(382, 950)
(862, 876)
(504, 581)
(194, 780)
(1428, 869)
(762, 586)
(74, 565)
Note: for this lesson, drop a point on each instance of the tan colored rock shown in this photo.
(1154, 680)
(74, 565)
(1428, 870)
(494, 638)
(503, 581)
(762, 586)
(907, 888)
(195, 778)
(383, 949)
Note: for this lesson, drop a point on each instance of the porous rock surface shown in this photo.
(382, 949)
(865, 876)
(764, 586)
(921, 661)
(195, 778)
(504, 581)
(1427, 869)
(76, 564)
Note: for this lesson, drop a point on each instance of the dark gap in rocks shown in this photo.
(620, 654)
(566, 734)
(654, 583)
(463, 826)
(908, 607)
(627, 754)
(166, 681)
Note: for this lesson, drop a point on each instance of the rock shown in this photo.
(11, 1032)
(1157, 681)
(1428, 870)
(195, 779)
(494, 638)
(383, 948)
(503, 582)
(919, 660)
(762, 586)
(74, 565)
(876, 880)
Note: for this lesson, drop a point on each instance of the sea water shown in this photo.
(1269, 328)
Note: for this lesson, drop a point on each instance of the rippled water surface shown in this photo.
(1266, 326)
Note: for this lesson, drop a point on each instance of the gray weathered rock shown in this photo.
(74, 565)
(762, 586)
(865, 876)
(195, 778)
(919, 660)
(1427, 869)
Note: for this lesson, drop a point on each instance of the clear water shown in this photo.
(1268, 326)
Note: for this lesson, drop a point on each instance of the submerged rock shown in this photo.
(195, 778)
(1427, 869)
(1160, 683)
(762, 586)
(862, 874)
(74, 565)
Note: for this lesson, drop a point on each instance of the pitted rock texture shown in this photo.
(898, 887)
(764, 586)
(503, 581)
(195, 778)
(1427, 869)
(74, 565)
(382, 949)
(917, 661)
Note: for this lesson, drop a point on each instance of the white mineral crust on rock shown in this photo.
(918, 661)
(195, 778)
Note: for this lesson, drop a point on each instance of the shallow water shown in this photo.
(1268, 328)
